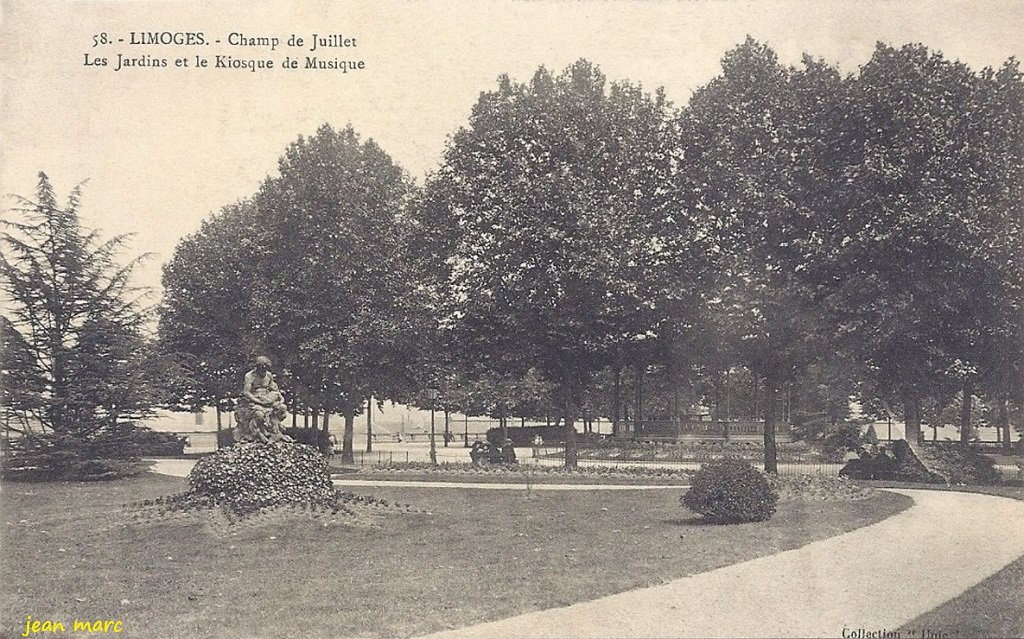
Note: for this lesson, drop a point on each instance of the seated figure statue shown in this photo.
(261, 408)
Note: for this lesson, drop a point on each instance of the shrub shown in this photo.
(909, 466)
(950, 463)
(248, 477)
(880, 466)
(314, 437)
(226, 438)
(727, 491)
(904, 465)
(62, 457)
(523, 435)
(150, 443)
(959, 464)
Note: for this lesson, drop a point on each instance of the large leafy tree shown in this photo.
(750, 140)
(1001, 340)
(566, 246)
(920, 228)
(331, 297)
(204, 318)
(75, 326)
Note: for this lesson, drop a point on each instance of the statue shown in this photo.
(261, 408)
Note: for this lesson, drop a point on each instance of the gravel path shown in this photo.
(384, 483)
(869, 580)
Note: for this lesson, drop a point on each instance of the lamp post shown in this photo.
(432, 395)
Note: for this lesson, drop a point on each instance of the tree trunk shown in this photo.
(911, 420)
(350, 428)
(756, 398)
(965, 412)
(570, 430)
(728, 395)
(716, 399)
(771, 460)
(616, 400)
(1004, 423)
(447, 432)
(369, 424)
(316, 418)
(305, 416)
(218, 424)
(295, 412)
(327, 417)
(638, 411)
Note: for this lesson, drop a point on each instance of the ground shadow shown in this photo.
(698, 520)
(694, 520)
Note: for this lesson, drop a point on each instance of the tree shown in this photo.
(75, 326)
(22, 384)
(204, 317)
(919, 228)
(331, 298)
(1002, 339)
(567, 246)
(750, 140)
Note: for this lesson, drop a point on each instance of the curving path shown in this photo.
(871, 579)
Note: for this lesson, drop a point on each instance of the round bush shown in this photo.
(730, 491)
(248, 477)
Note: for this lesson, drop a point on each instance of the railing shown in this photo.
(707, 429)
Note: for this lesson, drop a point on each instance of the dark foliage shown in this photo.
(523, 436)
(314, 437)
(958, 464)
(64, 457)
(870, 467)
(248, 477)
(950, 463)
(730, 491)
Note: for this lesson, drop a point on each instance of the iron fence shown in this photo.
(799, 463)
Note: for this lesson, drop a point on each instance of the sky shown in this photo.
(164, 148)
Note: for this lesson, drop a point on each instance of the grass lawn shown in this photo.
(993, 608)
(71, 551)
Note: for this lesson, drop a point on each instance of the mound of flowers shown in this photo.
(253, 476)
(250, 479)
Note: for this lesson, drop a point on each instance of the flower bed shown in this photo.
(817, 487)
(698, 451)
(519, 472)
(250, 479)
